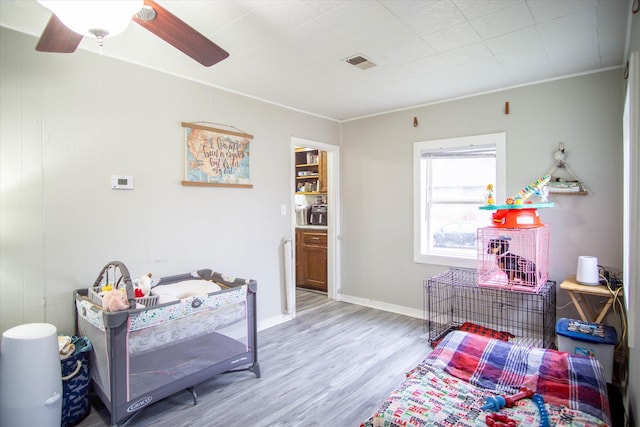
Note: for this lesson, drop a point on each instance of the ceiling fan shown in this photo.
(57, 36)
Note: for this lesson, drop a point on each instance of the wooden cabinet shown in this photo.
(311, 171)
(322, 172)
(311, 259)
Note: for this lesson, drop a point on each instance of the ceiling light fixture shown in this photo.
(94, 18)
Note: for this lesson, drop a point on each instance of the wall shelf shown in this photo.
(570, 193)
(568, 185)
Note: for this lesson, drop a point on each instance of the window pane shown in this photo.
(454, 227)
(461, 179)
(450, 180)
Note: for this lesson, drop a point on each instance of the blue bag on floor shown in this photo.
(76, 375)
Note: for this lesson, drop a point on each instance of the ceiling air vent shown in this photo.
(360, 62)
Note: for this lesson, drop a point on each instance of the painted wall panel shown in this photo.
(584, 112)
(69, 122)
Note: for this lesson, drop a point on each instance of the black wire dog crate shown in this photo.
(453, 298)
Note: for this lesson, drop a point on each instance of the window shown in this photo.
(450, 184)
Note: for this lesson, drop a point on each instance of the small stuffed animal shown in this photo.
(115, 300)
(144, 284)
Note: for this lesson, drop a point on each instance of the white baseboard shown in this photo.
(273, 321)
(380, 305)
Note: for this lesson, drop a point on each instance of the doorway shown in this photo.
(315, 217)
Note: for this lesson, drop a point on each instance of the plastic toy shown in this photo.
(517, 211)
(490, 199)
(544, 415)
(499, 420)
(494, 403)
(537, 187)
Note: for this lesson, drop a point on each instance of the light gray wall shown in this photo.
(68, 122)
(584, 112)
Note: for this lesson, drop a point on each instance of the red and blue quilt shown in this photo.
(450, 387)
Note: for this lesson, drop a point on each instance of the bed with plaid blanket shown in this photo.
(450, 387)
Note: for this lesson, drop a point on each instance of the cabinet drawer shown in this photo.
(314, 239)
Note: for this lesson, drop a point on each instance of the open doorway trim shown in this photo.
(333, 219)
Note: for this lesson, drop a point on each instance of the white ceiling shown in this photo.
(292, 52)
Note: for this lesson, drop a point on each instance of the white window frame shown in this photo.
(420, 189)
(631, 196)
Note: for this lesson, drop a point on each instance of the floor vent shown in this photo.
(360, 62)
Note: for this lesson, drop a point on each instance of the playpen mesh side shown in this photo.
(523, 264)
(453, 298)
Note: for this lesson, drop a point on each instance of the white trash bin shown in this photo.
(30, 376)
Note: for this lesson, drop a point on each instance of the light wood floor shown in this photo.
(329, 367)
(307, 299)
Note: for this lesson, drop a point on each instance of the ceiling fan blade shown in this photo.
(180, 35)
(57, 38)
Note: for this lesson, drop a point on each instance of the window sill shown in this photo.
(448, 261)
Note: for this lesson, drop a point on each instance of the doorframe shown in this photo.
(334, 221)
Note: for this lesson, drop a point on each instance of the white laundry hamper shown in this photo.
(30, 376)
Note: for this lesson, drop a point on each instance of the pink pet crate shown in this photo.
(513, 258)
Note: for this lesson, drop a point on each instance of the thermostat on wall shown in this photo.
(121, 182)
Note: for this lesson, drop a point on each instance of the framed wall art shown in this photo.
(216, 157)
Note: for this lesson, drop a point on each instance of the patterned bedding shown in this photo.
(451, 385)
(156, 327)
